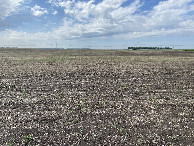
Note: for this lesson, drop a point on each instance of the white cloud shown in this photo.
(168, 14)
(105, 18)
(110, 18)
(86, 19)
(7, 7)
(55, 13)
(23, 39)
(38, 11)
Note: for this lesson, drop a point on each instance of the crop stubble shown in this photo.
(96, 97)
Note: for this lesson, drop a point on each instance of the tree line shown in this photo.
(147, 48)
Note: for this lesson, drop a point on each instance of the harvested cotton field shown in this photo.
(96, 97)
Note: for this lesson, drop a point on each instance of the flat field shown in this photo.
(96, 97)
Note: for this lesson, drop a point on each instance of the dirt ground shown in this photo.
(96, 97)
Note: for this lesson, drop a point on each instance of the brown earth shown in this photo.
(96, 97)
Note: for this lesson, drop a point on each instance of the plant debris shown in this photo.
(96, 97)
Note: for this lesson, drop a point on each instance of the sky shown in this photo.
(97, 24)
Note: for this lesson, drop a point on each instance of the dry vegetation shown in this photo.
(96, 97)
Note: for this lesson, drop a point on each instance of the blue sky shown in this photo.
(98, 24)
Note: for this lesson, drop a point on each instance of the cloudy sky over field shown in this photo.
(96, 23)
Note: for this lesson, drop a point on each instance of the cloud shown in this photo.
(108, 18)
(23, 39)
(38, 11)
(55, 13)
(7, 7)
(86, 19)
(168, 14)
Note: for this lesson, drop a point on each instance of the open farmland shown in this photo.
(96, 97)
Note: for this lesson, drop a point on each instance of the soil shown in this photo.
(96, 97)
